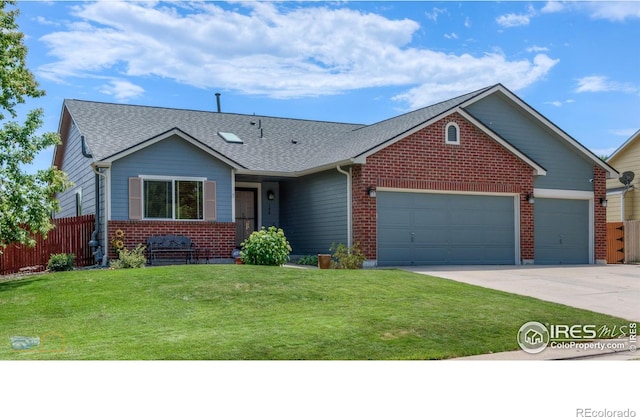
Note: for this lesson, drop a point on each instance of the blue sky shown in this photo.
(575, 62)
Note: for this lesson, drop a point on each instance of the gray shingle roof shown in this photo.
(110, 129)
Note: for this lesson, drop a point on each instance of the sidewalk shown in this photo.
(575, 353)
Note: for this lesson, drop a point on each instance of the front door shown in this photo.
(246, 213)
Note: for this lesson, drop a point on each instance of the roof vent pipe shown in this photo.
(218, 101)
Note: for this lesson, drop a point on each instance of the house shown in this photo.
(478, 179)
(624, 199)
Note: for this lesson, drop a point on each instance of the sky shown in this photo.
(574, 62)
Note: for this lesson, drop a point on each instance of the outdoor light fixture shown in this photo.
(531, 199)
(603, 202)
(371, 192)
(271, 195)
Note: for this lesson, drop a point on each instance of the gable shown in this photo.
(425, 157)
(567, 166)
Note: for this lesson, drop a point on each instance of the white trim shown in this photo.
(573, 195)
(233, 195)
(349, 204)
(446, 134)
(562, 194)
(252, 185)
(168, 178)
(516, 209)
(418, 191)
(168, 134)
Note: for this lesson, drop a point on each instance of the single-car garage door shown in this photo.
(426, 229)
(561, 231)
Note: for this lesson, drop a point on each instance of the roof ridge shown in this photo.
(208, 111)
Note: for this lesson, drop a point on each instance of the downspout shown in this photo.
(94, 243)
(349, 204)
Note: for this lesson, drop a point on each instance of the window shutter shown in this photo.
(210, 201)
(135, 198)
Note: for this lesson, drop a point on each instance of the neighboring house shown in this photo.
(624, 202)
(479, 179)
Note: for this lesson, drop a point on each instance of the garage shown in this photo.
(561, 231)
(430, 228)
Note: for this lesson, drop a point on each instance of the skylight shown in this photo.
(230, 137)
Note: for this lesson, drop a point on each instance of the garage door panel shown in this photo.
(561, 230)
(446, 229)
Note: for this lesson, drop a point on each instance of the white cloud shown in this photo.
(121, 90)
(451, 35)
(434, 13)
(599, 83)
(268, 49)
(459, 75)
(553, 7)
(512, 20)
(537, 49)
(613, 10)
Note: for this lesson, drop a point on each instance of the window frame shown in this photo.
(446, 134)
(173, 181)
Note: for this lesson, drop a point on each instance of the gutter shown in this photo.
(349, 204)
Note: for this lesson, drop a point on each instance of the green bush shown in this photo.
(266, 247)
(308, 260)
(61, 262)
(130, 258)
(344, 257)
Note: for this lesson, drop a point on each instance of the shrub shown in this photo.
(61, 262)
(308, 260)
(130, 258)
(266, 247)
(344, 257)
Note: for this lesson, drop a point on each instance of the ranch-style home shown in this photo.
(478, 179)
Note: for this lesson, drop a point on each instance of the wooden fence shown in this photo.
(71, 235)
(623, 242)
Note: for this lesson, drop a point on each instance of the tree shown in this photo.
(26, 200)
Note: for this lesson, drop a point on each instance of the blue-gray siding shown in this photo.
(271, 208)
(566, 168)
(313, 212)
(561, 231)
(172, 157)
(79, 171)
(425, 229)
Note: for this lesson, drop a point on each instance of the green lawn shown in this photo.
(247, 312)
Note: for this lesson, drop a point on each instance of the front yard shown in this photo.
(248, 312)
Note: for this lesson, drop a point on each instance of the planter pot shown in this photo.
(324, 261)
(239, 261)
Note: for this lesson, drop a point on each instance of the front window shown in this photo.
(173, 199)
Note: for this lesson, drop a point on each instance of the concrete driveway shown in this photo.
(609, 289)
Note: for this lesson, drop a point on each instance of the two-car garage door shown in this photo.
(427, 228)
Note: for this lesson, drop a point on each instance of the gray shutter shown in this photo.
(135, 198)
(210, 201)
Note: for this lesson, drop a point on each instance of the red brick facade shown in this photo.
(219, 238)
(600, 215)
(423, 161)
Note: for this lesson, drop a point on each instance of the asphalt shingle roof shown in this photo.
(268, 141)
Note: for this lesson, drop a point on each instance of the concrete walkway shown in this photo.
(608, 289)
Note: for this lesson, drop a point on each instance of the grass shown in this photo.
(247, 312)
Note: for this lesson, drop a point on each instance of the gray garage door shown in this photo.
(561, 231)
(427, 229)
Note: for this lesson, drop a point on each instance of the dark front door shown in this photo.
(246, 213)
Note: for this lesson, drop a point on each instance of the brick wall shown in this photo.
(423, 161)
(600, 215)
(219, 238)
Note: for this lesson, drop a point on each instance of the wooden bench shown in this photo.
(168, 244)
